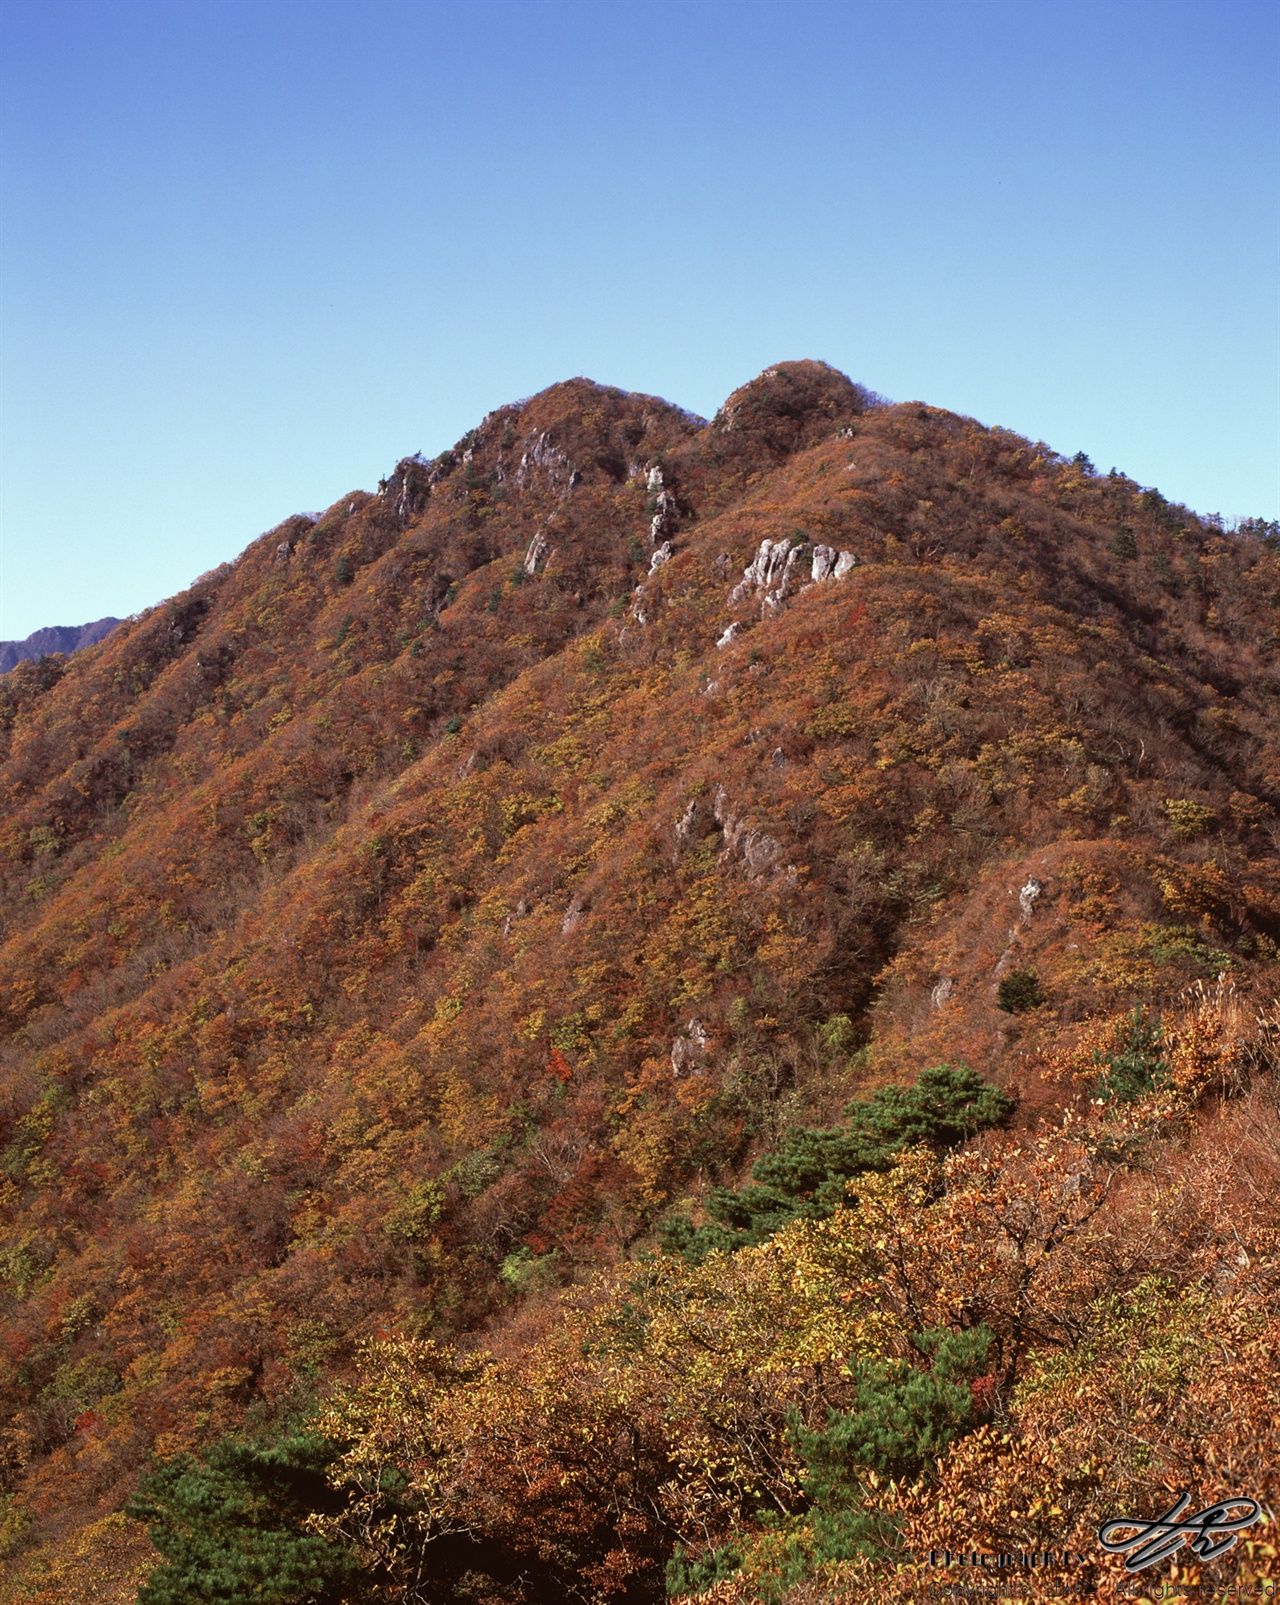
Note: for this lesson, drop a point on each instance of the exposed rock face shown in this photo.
(661, 556)
(829, 564)
(757, 850)
(664, 517)
(411, 482)
(536, 553)
(777, 570)
(541, 455)
(54, 638)
(770, 575)
(1027, 896)
(689, 1052)
(665, 512)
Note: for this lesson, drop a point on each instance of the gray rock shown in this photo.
(757, 850)
(830, 564)
(536, 553)
(767, 573)
(824, 563)
(689, 1052)
(687, 824)
(774, 572)
(664, 518)
(541, 455)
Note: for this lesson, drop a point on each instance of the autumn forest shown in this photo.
(653, 1009)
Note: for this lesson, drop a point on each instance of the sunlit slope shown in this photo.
(446, 888)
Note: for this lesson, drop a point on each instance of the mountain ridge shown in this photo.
(55, 638)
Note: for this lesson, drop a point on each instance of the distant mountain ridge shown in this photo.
(54, 638)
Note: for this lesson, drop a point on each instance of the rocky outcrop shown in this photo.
(830, 564)
(770, 575)
(689, 1052)
(535, 553)
(1027, 896)
(757, 850)
(777, 570)
(663, 522)
(573, 915)
(753, 847)
(540, 455)
(409, 486)
(687, 825)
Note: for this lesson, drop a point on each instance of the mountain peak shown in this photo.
(54, 638)
(792, 404)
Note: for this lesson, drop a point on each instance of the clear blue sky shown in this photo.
(256, 250)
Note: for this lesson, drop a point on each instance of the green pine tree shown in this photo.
(1124, 545)
(806, 1178)
(1140, 1064)
(230, 1526)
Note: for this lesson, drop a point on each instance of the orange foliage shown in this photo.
(444, 882)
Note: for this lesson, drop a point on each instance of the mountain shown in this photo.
(55, 638)
(459, 958)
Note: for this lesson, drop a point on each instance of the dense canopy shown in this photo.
(655, 1005)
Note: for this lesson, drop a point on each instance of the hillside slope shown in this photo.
(401, 921)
